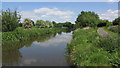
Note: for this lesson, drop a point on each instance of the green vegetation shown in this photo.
(87, 19)
(10, 20)
(114, 30)
(12, 49)
(27, 23)
(44, 24)
(21, 34)
(89, 49)
(104, 23)
(116, 21)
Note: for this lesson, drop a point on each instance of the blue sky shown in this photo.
(62, 11)
(60, 0)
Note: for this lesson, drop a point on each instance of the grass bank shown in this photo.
(114, 30)
(21, 34)
(87, 48)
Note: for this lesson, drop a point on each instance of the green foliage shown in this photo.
(44, 24)
(104, 23)
(54, 23)
(10, 20)
(109, 44)
(68, 25)
(87, 48)
(116, 21)
(20, 24)
(60, 25)
(87, 19)
(115, 29)
(27, 23)
(21, 34)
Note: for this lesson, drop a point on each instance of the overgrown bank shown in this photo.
(21, 34)
(87, 48)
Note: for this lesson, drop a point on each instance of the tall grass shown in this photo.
(87, 48)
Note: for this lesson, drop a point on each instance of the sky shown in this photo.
(60, 0)
(62, 11)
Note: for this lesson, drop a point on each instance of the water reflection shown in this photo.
(11, 54)
(11, 57)
(46, 50)
(59, 39)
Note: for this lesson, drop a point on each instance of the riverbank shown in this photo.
(21, 34)
(88, 48)
(38, 51)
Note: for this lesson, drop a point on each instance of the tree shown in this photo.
(87, 19)
(116, 21)
(54, 23)
(49, 24)
(59, 25)
(10, 20)
(103, 23)
(44, 24)
(40, 23)
(27, 23)
(68, 24)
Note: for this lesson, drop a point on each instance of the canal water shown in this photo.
(47, 50)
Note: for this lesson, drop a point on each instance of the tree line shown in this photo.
(11, 20)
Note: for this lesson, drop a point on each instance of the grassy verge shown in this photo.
(114, 30)
(21, 34)
(87, 48)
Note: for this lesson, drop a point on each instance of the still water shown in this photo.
(47, 50)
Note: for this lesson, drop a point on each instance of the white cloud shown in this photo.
(48, 14)
(109, 14)
(29, 14)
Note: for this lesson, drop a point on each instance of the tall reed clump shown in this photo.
(86, 49)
